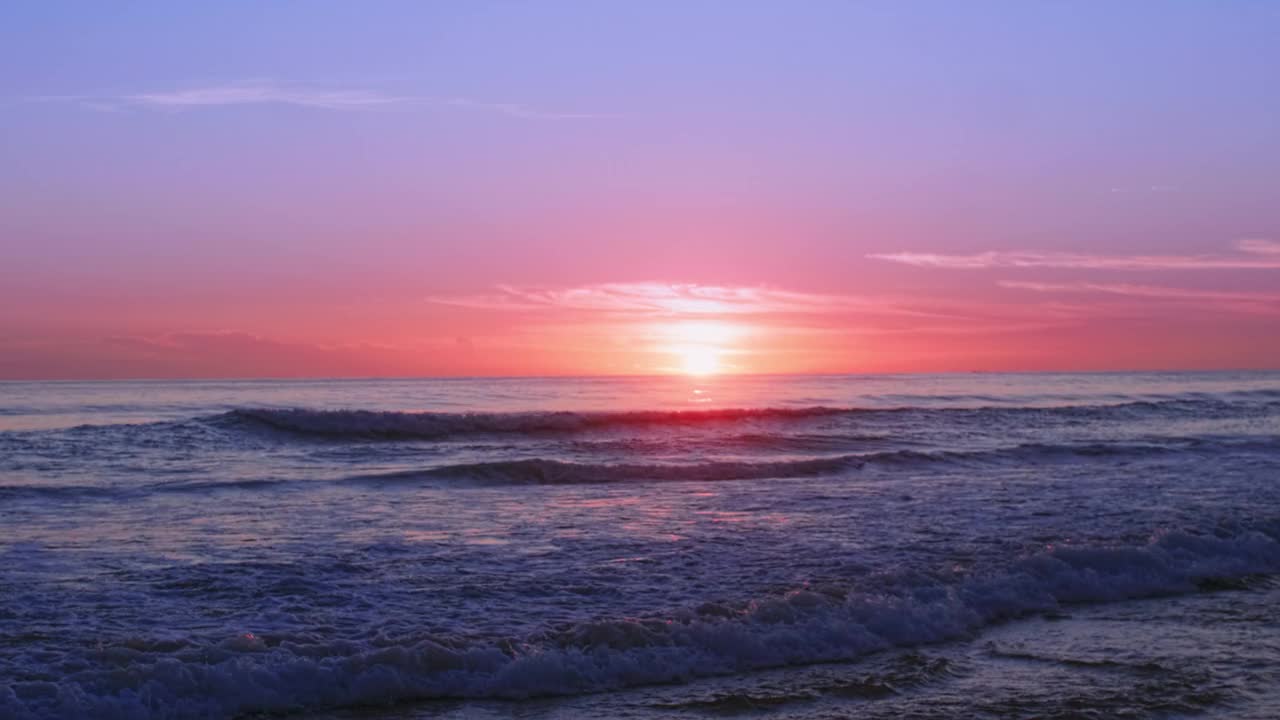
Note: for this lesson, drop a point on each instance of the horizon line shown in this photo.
(637, 376)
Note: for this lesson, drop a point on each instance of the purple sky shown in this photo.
(249, 189)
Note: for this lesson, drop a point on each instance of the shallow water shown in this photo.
(902, 546)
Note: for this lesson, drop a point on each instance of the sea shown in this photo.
(882, 546)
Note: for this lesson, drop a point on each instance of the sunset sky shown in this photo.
(474, 188)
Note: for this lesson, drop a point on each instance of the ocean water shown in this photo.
(985, 545)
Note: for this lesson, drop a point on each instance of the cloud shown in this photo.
(260, 94)
(1241, 301)
(268, 92)
(627, 309)
(1259, 246)
(657, 299)
(252, 92)
(1258, 256)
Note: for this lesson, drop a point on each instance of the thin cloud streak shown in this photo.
(1259, 255)
(655, 299)
(1243, 301)
(265, 92)
(246, 93)
(1259, 246)
(258, 94)
(618, 309)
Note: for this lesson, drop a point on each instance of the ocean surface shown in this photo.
(982, 545)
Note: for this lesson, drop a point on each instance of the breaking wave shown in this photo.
(433, 426)
(546, 471)
(543, 471)
(249, 674)
(376, 424)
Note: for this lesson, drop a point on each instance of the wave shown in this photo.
(546, 471)
(249, 674)
(62, 492)
(540, 471)
(432, 426)
(378, 424)
(371, 424)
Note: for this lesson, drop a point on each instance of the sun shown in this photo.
(698, 348)
(699, 360)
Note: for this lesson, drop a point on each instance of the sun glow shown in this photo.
(699, 347)
(699, 360)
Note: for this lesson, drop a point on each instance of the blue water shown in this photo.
(887, 546)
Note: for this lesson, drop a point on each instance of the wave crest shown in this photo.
(544, 471)
(394, 425)
(438, 426)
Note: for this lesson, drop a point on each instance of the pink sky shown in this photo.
(1003, 317)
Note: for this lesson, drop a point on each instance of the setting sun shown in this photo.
(698, 347)
(700, 360)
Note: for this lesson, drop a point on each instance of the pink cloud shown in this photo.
(1259, 246)
(655, 299)
(1249, 302)
(1258, 256)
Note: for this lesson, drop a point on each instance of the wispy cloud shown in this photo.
(657, 299)
(1256, 255)
(1252, 302)
(617, 308)
(269, 92)
(1259, 246)
(263, 93)
(254, 92)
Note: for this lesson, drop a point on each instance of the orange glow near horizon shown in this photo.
(647, 328)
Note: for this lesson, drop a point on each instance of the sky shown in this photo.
(303, 189)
